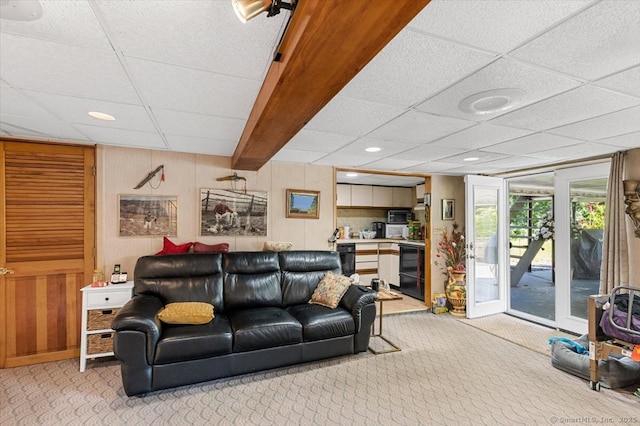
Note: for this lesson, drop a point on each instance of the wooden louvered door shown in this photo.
(48, 240)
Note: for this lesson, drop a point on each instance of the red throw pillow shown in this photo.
(168, 247)
(210, 248)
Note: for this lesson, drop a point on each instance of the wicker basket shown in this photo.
(100, 319)
(99, 343)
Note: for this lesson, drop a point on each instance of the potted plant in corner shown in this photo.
(452, 255)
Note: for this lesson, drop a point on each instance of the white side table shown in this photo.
(99, 307)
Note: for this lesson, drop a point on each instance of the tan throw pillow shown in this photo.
(277, 246)
(186, 313)
(330, 290)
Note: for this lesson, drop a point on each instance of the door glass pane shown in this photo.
(587, 227)
(486, 241)
(531, 246)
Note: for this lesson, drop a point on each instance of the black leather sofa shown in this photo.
(262, 317)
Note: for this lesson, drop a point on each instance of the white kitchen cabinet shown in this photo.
(402, 197)
(383, 196)
(361, 195)
(388, 262)
(419, 195)
(367, 261)
(343, 195)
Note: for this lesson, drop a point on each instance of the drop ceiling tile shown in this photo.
(409, 57)
(342, 160)
(67, 22)
(63, 69)
(575, 152)
(119, 137)
(484, 134)
(539, 142)
(298, 156)
(626, 82)
(482, 157)
(388, 148)
(419, 127)
(75, 110)
(311, 140)
(205, 35)
(12, 130)
(201, 145)
(631, 140)
(186, 89)
(498, 26)
(392, 164)
(353, 117)
(502, 74)
(199, 125)
(13, 102)
(569, 107)
(514, 163)
(430, 167)
(429, 152)
(45, 127)
(599, 41)
(608, 125)
(469, 169)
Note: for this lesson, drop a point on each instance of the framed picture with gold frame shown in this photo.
(303, 204)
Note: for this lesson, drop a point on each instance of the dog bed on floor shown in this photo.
(614, 372)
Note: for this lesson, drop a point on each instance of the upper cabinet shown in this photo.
(373, 196)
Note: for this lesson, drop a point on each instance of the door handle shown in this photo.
(5, 271)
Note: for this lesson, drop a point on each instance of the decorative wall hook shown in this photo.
(150, 176)
(632, 200)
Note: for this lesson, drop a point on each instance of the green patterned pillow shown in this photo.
(330, 290)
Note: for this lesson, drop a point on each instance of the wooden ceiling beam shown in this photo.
(326, 44)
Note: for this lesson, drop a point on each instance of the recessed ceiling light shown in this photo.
(352, 174)
(471, 159)
(18, 10)
(373, 149)
(491, 101)
(102, 116)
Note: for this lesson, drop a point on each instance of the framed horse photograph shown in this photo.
(230, 212)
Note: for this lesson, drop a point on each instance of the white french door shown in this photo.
(487, 238)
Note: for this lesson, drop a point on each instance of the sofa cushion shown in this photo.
(330, 290)
(261, 328)
(186, 313)
(302, 271)
(210, 248)
(319, 322)
(188, 342)
(252, 280)
(193, 277)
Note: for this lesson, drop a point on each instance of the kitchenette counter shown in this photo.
(378, 241)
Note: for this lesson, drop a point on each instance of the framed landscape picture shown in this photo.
(225, 212)
(147, 215)
(302, 203)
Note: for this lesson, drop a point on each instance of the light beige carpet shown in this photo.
(524, 333)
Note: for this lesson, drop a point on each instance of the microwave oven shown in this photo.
(396, 231)
(399, 216)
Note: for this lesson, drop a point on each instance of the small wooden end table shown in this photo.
(384, 296)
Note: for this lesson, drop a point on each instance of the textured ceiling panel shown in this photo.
(420, 127)
(538, 142)
(479, 136)
(605, 126)
(75, 110)
(63, 69)
(573, 152)
(631, 140)
(352, 116)
(185, 89)
(626, 81)
(120, 137)
(429, 152)
(43, 127)
(381, 82)
(594, 44)
(13, 102)
(342, 160)
(81, 27)
(201, 145)
(503, 74)
(388, 147)
(392, 164)
(576, 105)
(312, 140)
(199, 125)
(498, 26)
(200, 34)
(298, 156)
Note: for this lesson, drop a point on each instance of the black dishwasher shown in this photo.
(347, 258)
(412, 270)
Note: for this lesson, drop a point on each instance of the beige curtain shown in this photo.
(614, 270)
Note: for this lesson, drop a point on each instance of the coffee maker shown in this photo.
(379, 227)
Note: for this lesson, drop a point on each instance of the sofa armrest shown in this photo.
(141, 314)
(355, 299)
